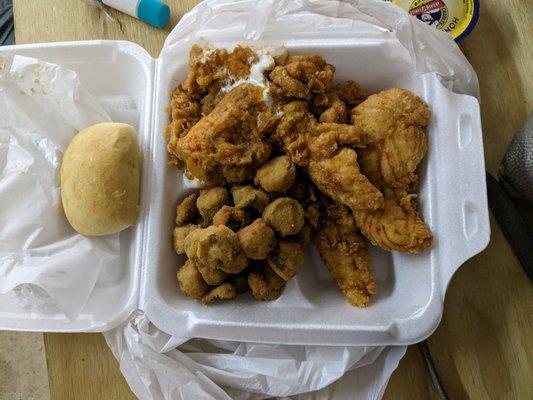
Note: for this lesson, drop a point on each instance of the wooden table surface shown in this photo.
(483, 346)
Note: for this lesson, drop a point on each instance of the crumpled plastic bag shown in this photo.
(48, 264)
(158, 366)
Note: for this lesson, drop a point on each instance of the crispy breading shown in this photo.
(393, 122)
(339, 176)
(186, 209)
(345, 254)
(277, 175)
(287, 259)
(264, 282)
(331, 164)
(301, 76)
(230, 143)
(233, 217)
(226, 291)
(257, 239)
(179, 235)
(190, 281)
(210, 201)
(248, 196)
(285, 215)
(217, 247)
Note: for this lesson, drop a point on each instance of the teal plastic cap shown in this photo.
(153, 12)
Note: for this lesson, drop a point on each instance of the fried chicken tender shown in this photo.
(287, 259)
(230, 143)
(340, 177)
(191, 282)
(248, 196)
(285, 215)
(396, 227)
(218, 247)
(210, 201)
(233, 217)
(345, 254)
(301, 76)
(226, 291)
(257, 239)
(331, 164)
(277, 175)
(393, 121)
(265, 283)
(211, 276)
(186, 209)
(179, 235)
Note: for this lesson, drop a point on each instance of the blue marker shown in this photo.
(153, 12)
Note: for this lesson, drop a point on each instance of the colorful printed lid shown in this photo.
(457, 17)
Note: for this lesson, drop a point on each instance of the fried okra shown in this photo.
(191, 282)
(285, 215)
(265, 283)
(277, 175)
(179, 235)
(287, 259)
(226, 291)
(210, 201)
(218, 247)
(212, 276)
(248, 196)
(257, 239)
(232, 217)
(186, 209)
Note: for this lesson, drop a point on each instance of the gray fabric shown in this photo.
(7, 27)
(517, 167)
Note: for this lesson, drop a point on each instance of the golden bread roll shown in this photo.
(100, 179)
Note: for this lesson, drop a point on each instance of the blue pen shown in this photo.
(153, 12)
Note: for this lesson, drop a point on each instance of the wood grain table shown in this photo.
(483, 348)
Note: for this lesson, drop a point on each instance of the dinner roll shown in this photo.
(100, 178)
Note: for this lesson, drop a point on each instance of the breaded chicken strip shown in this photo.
(339, 176)
(393, 122)
(228, 144)
(326, 150)
(397, 226)
(346, 255)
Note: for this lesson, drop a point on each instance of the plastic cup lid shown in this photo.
(457, 17)
(153, 12)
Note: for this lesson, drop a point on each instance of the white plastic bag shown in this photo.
(209, 369)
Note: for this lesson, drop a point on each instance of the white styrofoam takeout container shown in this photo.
(411, 288)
